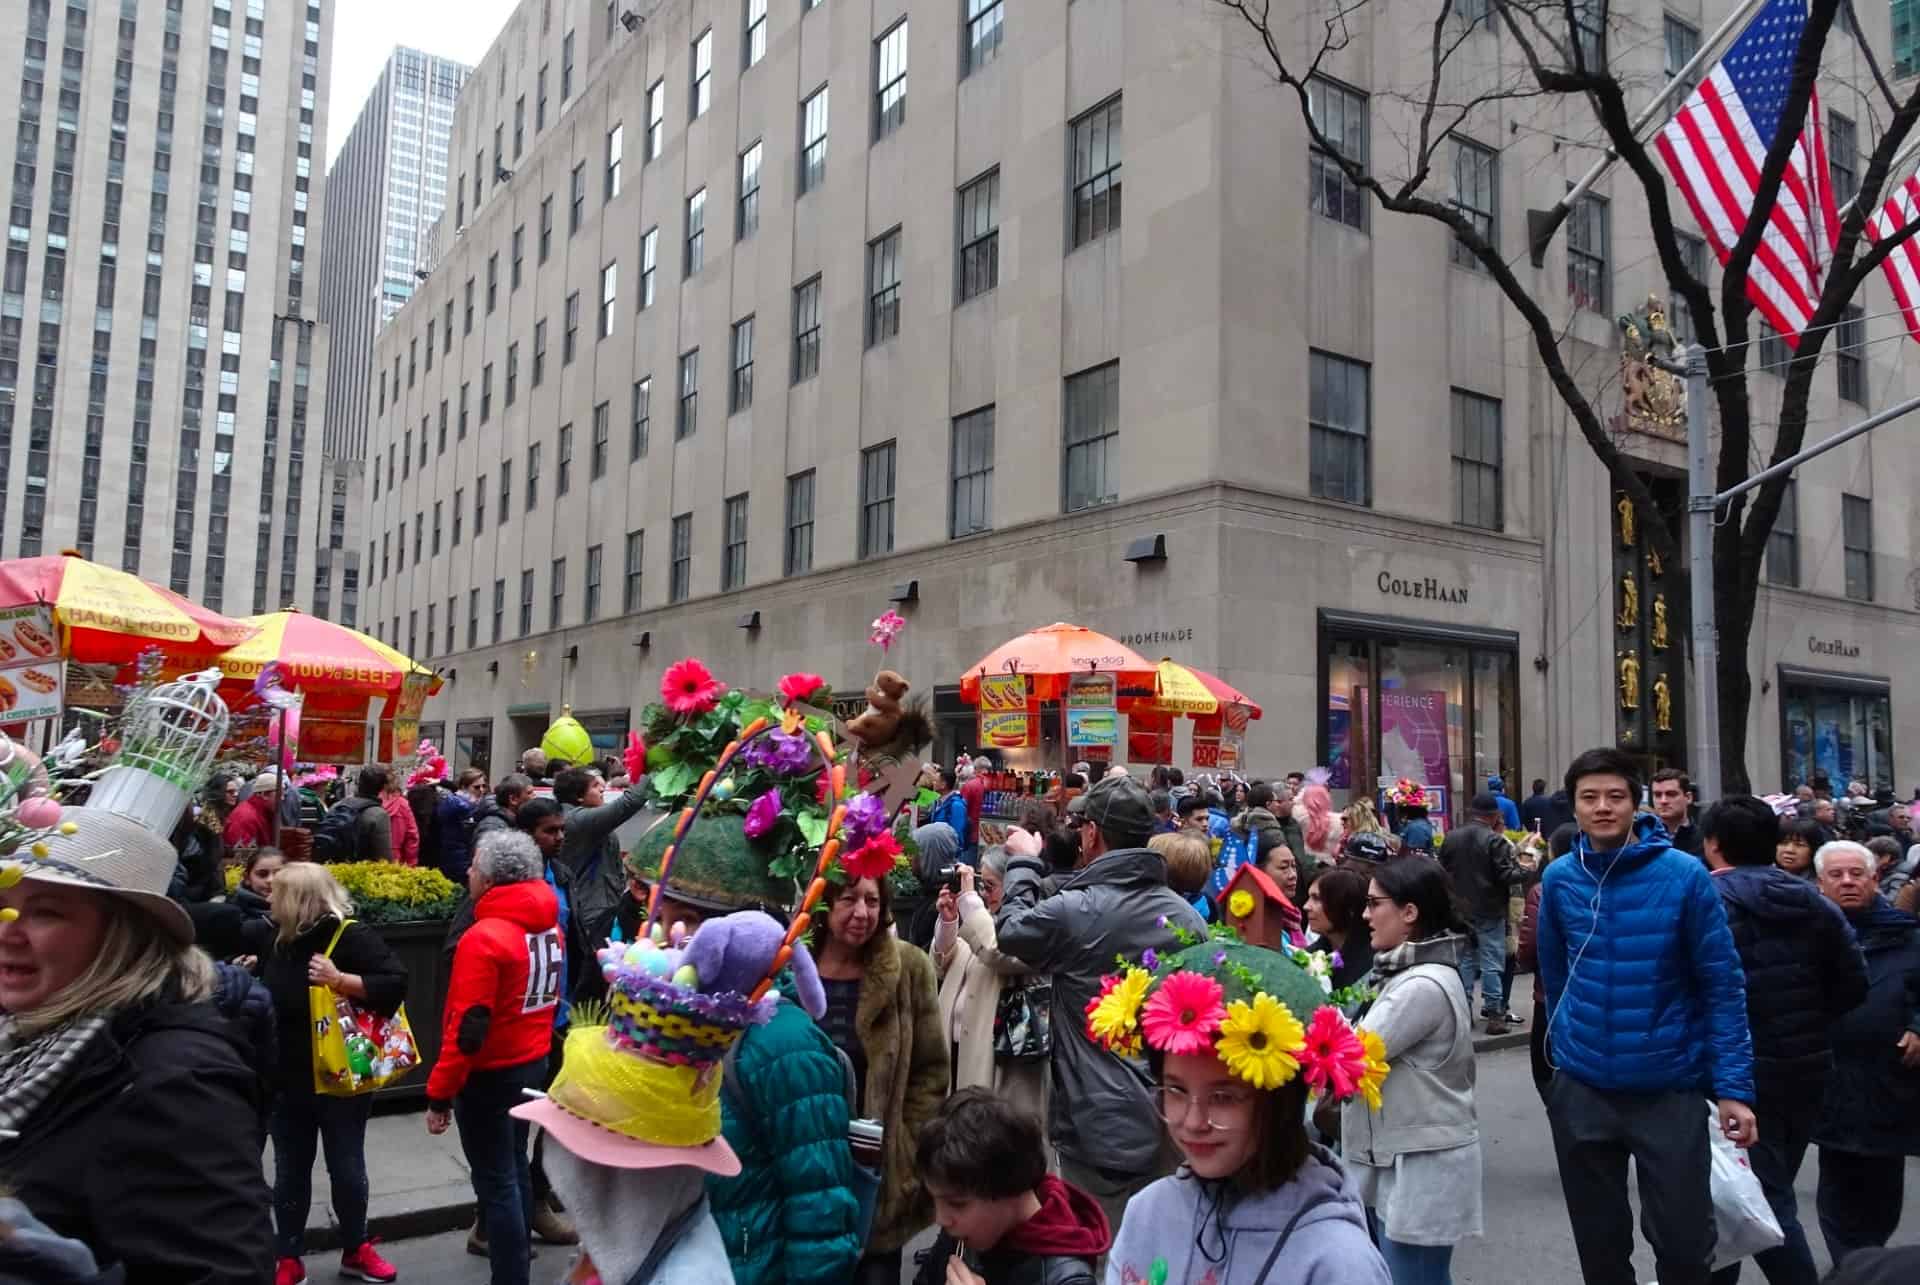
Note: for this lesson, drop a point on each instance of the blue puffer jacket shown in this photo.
(790, 1214)
(1644, 988)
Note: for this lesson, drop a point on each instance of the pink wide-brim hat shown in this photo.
(599, 1145)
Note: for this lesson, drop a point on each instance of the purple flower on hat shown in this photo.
(1150, 959)
(779, 753)
(1338, 960)
(1219, 957)
(866, 817)
(762, 815)
(1161, 921)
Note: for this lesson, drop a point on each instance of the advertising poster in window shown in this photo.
(1092, 718)
(31, 671)
(1413, 735)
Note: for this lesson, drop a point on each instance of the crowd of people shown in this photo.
(1066, 1062)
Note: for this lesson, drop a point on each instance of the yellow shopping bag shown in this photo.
(356, 1050)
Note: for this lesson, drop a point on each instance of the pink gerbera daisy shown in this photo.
(690, 689)
(1334, 1059)
(1184, 1013)
(873, 859)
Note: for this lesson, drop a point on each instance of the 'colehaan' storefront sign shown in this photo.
(1425, 588)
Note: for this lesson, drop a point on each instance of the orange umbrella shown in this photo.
(109, 617)
(1048, 655)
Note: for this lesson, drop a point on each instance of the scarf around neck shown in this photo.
(31, 1068)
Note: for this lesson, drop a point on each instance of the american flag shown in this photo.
(1716, 145)
(1902, 266)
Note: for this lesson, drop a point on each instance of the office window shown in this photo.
(806, 330)
(440, 430)
(1843, 157)
(1477, 453)
(1770, 350)
(556, 592)
(1693, 253)
(747, 216)
(1589, 18)
(493, 281)
(533, 476)
(500, 607)
(813, 141)
(1340, 427)
(590, 608)
(566, 67)
(733, 563)
(702, 74)
(688, 418)
(1589, 283)
(577, 198)
(1849, 360)
(630, 590)
(890, 74)
(876, 500)
(459, 513)
(616, 144)
(1476, 195)
(519, 255)
(609, 289)
(984, 30)
(642, 418)
(980, 236)
(680, 566)
(1092, 436)
(883, 288)
(649, 255)
(756, 31)
(406, 453)
(473, 619)
(1341, 114)
(602, 433)
(970, 510)
(429, 344)
(413, 355)
(446, 329)
(540, 100)
(546, 228)
(1783, 541)
(539, 351)
(1856, 522)
(466, 321)
(696, 232)
(506, 491)
(563, 462)
(1682, 43)
(569, 336)
(434, 548)
(519, 126)
(741, 389)
(1096, 173)
(513, 371)
(799, 550)
(656, 118)
(480, 504)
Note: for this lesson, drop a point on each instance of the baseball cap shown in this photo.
(1121, 807)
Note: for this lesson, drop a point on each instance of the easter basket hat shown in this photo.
(715, 868)
(108, 853)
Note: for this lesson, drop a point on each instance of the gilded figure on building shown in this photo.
(1629, 680)
(1624, 507)
(1629, 614)
(1662, 704)
(1659, 622)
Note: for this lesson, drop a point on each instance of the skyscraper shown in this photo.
(142, 431)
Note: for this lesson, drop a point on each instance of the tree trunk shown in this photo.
(1734, 596)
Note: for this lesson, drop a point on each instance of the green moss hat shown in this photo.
(717, 867)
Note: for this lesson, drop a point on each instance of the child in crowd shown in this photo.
(1800, 838)
(1004, 1220)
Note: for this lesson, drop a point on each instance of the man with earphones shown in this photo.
(1646, 1015)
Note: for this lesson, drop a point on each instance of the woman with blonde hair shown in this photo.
(129, 1116)
(318, 943)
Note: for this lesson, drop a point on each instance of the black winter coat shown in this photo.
(284, 970)
(148, 1152)
(1482, 866)
(1804, 971)
(1872, 1105)
(1002, 1267)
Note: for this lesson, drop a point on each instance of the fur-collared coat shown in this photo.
(898, 1025)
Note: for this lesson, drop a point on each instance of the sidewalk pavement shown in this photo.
(421, 1186)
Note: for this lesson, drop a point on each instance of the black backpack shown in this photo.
(335, 838)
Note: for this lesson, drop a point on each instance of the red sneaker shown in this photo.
(289, 1271)
(366, 1264)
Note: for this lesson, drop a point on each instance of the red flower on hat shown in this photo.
(873, 859)
(690, 689)
(1334, 1059)
(797, 689)
(1184, 1013)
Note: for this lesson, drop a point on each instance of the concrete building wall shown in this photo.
(1214, 293)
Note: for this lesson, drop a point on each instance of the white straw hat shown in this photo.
(109, 854)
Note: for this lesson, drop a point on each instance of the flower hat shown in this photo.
(1266, 1016)
(1407, 793)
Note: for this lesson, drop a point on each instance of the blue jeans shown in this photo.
(339, 1126)
(1487, 962)
(1786, 1120)
(1417, 1264)
(496, 1147)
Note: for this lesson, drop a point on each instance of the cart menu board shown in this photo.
(1091, 716)
(31, 671)
(1005, 721)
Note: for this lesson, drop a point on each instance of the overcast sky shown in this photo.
(365, 32)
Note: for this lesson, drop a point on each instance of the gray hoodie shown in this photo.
(1183, 1221)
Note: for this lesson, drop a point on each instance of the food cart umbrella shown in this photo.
(1048, 656)
(1182, 689)
(109, 617)
(317, 655)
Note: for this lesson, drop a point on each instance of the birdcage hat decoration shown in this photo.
(168, 739)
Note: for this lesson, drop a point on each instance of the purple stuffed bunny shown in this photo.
(733, 953)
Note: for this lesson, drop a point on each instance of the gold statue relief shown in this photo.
(1659, 622)
(1629, 614)
(1624, 507)
(1662, 704)
(1655, 567)
(1629, 681)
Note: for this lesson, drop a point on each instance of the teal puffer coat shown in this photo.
(789, 1216)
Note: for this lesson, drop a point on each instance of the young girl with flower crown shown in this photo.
(1236, 1038)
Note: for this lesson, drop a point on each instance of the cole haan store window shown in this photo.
(1437, 703)
(1840, 724)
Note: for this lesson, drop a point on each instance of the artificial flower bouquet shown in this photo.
(1407, 793)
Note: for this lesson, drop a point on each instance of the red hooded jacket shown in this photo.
(250, 824)
(505, 986)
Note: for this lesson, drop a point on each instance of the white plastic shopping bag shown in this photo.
(1741, 1215)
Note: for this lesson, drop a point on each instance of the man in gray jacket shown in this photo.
(1116, 903)
(590, 852)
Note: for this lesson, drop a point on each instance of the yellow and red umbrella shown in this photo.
(109, 617)
(1182, 689)
(317, 655)
(1048, 656)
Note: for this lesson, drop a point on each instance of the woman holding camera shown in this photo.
(973, 977)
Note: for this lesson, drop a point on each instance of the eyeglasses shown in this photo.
(1223, 1108)
(1374, 902)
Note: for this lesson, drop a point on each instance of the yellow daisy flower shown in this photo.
(1240, 904)
(1377, 1068)
(1258, 1041)
(1115, 1020)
